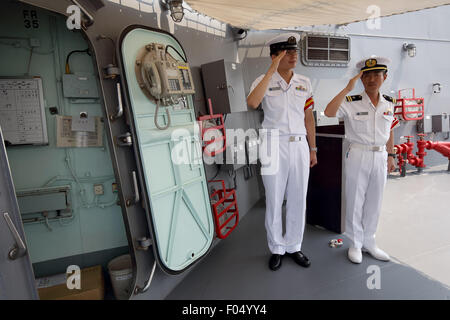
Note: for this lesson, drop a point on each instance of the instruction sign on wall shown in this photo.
(66, 136)
(22, 114)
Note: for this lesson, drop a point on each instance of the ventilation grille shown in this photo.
(325, 50)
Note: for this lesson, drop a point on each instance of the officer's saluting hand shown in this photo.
(351, 84)
(257, 94)
(276, 62)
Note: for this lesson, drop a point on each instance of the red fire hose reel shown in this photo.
(226, 213)
(408, 109)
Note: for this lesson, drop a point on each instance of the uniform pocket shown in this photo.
(387, 121)
(274, 99)
(361, 122)
(300, 93)
(300, 97)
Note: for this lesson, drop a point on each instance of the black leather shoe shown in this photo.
(300, 259)
(275, 262)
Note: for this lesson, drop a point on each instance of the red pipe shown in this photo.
(408, 147)
(441, 147)
(412, 159)
(404, 148)
(421, 153)
(401, 149)
(415, 161)
(418, 161)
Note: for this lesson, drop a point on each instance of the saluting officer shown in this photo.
(287, 103)
(369, 121)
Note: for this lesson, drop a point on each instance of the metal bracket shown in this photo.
(124, 140)
(86, 13)
(144, 243)
(111, 72)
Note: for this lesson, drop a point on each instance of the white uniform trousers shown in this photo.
(366, 174)
(290, 178)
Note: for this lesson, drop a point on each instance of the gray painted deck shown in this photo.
(237, 267)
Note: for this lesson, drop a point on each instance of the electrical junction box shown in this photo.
(441, 123)
(224, 85)
(44, 199)
(425, 125)
(80, 85)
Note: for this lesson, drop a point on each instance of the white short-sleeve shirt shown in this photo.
(365, 123)
(285, 104)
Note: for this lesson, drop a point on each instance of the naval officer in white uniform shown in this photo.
(287, 102)
(369, 121)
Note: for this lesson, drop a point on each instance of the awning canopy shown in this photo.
(277, 14)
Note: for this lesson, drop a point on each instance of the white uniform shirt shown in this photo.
(284, 104)
(365, 123)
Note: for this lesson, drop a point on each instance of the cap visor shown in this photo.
(374, 68)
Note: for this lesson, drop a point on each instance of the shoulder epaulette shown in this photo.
(353, 98)
(390, 99)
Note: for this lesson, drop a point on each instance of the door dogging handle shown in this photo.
(136, 188)
(136, 198)
(119, 104)
(19, 249)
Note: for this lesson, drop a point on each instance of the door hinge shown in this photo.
(144, 243)
(124, 140)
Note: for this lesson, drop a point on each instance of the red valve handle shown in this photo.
(408, 138)
(421, 135)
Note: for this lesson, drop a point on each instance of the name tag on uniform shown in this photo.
(300, 88)
(365, 113)
(274, 88)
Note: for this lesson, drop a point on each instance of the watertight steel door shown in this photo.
(16, 273)
(176, 195)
